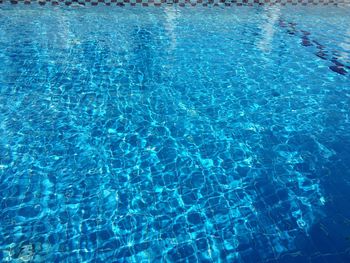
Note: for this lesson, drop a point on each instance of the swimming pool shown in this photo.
(206, 134)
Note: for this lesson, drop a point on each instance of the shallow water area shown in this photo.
(206, 134)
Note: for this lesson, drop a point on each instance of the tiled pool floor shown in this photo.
(174, 134)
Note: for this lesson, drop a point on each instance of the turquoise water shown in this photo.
(174, 134)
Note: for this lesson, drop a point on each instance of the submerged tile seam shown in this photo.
(321, 51)
(180, 2)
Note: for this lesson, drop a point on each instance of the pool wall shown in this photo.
(181, 2)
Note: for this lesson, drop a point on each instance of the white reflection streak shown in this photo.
(268, 29)
(65, 34)
(171, 15)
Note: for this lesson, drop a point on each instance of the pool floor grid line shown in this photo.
(321, 51)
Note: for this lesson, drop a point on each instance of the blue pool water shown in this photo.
(174, 134)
